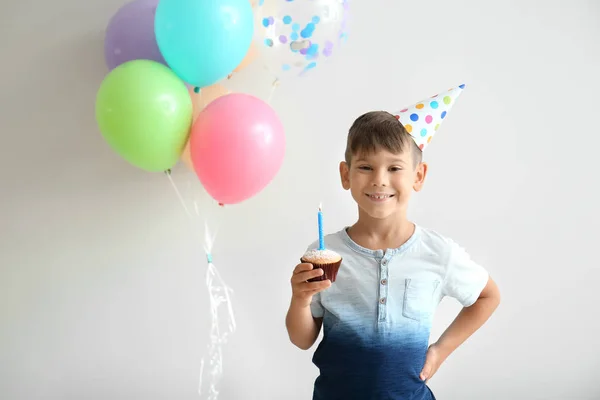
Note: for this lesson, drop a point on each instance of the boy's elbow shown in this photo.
(301, 344)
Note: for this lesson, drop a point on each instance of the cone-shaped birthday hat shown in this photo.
(423, 119)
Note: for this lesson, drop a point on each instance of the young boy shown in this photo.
(377, 315)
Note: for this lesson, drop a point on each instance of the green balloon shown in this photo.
(144, 111)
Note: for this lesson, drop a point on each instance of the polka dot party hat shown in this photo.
(423, 119)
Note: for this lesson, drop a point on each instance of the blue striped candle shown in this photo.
(321, 239)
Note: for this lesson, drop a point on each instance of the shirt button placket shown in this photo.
(383, 289)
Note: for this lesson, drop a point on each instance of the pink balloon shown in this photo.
(237, 146)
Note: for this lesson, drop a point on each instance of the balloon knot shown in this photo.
(209, 258)
(168, 172)
(221, 205)
(196, 89)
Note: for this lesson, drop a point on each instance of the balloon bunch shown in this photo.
(162, 100)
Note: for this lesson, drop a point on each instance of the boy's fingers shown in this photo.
(426, 372)
(312, 288)
(306, 275)
(302, 267)
(318, 286)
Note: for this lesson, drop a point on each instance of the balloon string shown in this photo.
(273, 87)
(219, 294)
(187, 211)
(219, 297)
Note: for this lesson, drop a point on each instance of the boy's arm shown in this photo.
(468, 321)
(303, 329)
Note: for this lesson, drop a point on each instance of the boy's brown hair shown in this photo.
(377, 130)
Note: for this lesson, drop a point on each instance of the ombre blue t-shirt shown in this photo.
(377, 315)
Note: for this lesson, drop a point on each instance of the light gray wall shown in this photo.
(102, 291)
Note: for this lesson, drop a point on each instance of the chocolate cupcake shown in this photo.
(328, 260)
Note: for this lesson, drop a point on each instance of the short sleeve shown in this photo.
(465, 279)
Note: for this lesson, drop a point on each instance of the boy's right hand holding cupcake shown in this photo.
(302, 290)
(302, 328)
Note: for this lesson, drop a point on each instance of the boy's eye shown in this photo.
(364, 167)
(395, 169)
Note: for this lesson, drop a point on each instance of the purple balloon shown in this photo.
(130, 34)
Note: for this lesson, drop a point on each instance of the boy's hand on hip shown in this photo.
(302, 290)
(435, 357)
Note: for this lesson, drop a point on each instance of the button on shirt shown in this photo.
(377, 315)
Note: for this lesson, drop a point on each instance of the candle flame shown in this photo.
(320, 206)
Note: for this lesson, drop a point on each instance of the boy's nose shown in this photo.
(380, 179)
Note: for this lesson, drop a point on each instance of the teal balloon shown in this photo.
(203, 41)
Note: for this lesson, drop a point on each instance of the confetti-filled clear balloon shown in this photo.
(296, 36)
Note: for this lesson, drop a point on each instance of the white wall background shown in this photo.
(101, 277)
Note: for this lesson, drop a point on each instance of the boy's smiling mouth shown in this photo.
(379, 196)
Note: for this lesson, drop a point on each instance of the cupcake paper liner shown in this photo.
(330, 271)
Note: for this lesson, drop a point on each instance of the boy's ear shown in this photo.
(345, 175)
(420, 175)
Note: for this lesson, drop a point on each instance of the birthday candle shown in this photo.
(321, 239)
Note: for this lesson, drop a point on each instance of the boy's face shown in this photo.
(381, 182)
